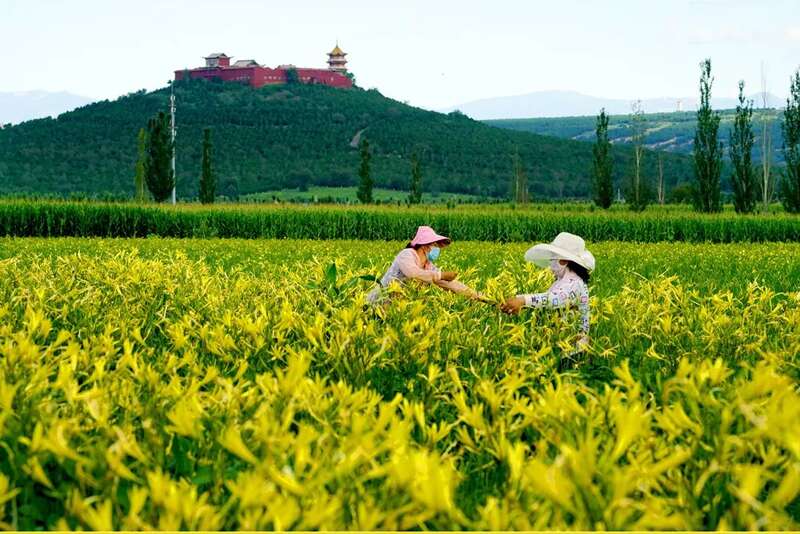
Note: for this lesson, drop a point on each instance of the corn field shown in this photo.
(243, 384)
(483, 223)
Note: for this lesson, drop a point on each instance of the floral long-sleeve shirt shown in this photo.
(568, 291)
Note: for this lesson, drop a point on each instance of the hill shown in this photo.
(570, 103)
(292, 136)
(670, 132)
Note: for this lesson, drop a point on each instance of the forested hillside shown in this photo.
(670, 132)
(293, 136)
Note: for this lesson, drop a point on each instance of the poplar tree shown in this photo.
(638, 192)
(790, 185)
(602, 166)
(767, 182)
(661, 188)
(208, 181)
(743, 178)
(141, 166)
(365, 178)
(519, 182)
(415, 187)
(707, 148)
(159, 177)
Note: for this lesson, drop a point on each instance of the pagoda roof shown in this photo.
(337, 51)
(216, 55)
(246, 63)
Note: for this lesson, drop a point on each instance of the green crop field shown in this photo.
(464, 222)
(244, 384)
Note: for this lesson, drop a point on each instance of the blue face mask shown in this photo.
(433, 254)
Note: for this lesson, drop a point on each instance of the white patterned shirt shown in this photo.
(568, 291)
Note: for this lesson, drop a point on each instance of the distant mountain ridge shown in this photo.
(571, 104)
(667, 132)
(19, 106)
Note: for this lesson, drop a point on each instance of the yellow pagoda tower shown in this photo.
(336, 60)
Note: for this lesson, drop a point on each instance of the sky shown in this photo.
(429, 53)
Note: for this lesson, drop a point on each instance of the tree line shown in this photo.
(751, 188)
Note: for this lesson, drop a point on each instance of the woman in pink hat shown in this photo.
(416, 262)
(571, 264)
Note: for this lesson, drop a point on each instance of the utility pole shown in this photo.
(172, 132)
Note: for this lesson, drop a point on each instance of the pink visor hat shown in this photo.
(426, 236)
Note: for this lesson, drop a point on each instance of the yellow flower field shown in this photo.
(160, 384)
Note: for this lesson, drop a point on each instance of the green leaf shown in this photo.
(331, 275)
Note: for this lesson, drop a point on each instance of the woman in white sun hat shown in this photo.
(416, 262)
(571, 264)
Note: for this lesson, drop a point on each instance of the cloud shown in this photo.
(792, 34)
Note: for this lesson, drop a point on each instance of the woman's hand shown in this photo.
(449, 276)
(513, 305)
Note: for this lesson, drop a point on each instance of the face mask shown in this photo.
(433, 254)
(557, 268)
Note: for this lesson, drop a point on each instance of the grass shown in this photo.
(347, 195)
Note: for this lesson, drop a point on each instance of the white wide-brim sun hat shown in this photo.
(565, 246)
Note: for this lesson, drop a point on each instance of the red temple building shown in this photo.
(218, 66)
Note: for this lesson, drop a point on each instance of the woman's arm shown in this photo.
(458, 287)
(407, 263)
(553, 299)
(560, 295)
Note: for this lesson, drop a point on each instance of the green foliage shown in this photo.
(349, 195)
(790, 185)
(707, 148)
(273, 133)
(141, 166)
(743, 179)
(638, 191)
(682, 194)
(415, 186)
(291, 76)
(486, 223)
(660, 187)
(159, 177)
(519, 181)
(365, 177)
(208, 181)
(670, 132)
(602, 164)
(332, 285)
(230, 188)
